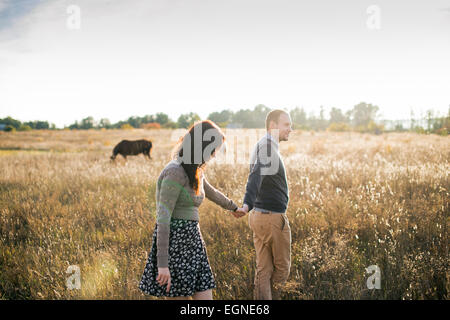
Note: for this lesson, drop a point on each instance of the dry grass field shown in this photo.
(355, 200)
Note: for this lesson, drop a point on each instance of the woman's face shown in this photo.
(222, 145)
(215, 149)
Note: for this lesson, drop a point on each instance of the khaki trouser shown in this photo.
(272, 239)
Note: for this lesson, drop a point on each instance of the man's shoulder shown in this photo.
(262, 144)
(265, 144)
(264, 141)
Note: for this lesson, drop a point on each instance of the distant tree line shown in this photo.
(10, 124)
(159, 120)
(363, 117)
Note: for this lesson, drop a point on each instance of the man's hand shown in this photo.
(164, 277)
(245, 208)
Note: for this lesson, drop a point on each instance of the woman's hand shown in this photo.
(164, 277)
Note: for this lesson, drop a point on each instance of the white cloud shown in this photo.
(3, 4)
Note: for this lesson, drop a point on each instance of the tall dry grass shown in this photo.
(355, 200)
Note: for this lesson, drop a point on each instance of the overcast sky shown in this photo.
(138, 57)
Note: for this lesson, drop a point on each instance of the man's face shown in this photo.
(283, 126)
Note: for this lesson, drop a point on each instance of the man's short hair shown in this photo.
(274, 115)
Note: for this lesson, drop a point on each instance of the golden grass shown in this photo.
(355, 200)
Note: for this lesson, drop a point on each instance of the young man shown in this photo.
(267, 194)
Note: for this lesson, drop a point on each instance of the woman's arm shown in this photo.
(171, 186)
(218, 197)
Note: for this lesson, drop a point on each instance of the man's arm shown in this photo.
(254, 181)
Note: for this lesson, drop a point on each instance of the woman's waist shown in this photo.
(186, 213)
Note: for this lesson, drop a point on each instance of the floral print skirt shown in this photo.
(189, 267)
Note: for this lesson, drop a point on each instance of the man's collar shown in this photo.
(272, 138)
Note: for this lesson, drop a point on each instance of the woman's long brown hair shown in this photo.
(193, 167)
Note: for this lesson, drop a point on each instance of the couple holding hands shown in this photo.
(178, 266)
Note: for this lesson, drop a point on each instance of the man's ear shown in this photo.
(273, 125)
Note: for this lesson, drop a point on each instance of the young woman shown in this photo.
(177, 265)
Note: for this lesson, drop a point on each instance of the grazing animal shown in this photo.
(132, 148)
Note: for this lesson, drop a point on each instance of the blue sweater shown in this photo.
(267, 186)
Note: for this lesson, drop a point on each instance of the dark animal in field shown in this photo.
(132, 148)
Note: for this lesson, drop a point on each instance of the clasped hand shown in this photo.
(240, 212)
